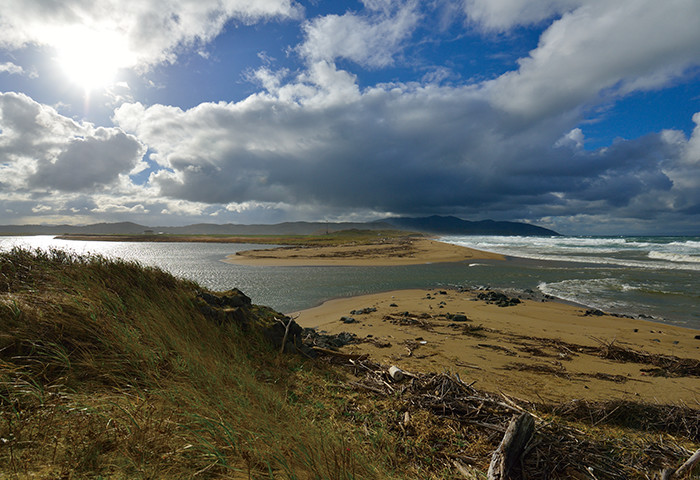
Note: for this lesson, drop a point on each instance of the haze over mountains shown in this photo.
(440, 225)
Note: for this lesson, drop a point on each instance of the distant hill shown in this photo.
(456, 226)
(435, 225)
(128, 228)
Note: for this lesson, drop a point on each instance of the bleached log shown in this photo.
(688, 466)
(511, 448)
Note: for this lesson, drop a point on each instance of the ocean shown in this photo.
(658, 277)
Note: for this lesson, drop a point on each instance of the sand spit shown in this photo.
(401, 251)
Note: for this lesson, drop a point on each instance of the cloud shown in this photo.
(573, 139)
(402, 148)
(313, 144)
(601, 51)
(370, 40)
(149, 31)
(11, 68)
(42, 149)
(503, 15)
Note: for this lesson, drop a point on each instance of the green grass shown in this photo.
(109, 369)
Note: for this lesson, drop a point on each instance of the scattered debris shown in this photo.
(556, 448)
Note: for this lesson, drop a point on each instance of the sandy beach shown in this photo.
(538, 350)
(402, 251)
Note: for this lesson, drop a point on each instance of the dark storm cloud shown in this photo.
(401, 150)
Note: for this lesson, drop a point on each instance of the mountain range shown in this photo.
(438, 225)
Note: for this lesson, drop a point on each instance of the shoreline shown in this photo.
(537, 349)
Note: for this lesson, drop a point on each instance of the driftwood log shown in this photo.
(683, 470)
(508, 453)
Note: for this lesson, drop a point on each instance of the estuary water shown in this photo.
(653, 276)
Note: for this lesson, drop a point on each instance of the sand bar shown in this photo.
(403, 251)
(535, 350)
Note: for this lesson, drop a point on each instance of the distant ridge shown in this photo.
(129, 228)
(449, 225)
(435, 225)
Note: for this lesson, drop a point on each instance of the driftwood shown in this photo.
(688, 466)
(683, 470)
(559, 451)
(512, 446)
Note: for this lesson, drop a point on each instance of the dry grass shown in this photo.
(108, 368)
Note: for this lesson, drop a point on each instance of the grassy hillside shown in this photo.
(108, 369)
(113, 370)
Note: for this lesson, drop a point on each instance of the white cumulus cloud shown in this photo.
(370, 40)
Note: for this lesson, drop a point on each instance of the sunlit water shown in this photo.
(633, 275)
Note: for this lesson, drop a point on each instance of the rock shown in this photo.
(393, 305)
(593, 312)
(230, 298)
(274, 333)
(312, 338)
(498, 298)
(363, 311)
(697, 337)
(232, 306)
(348, 320)
(459, 318)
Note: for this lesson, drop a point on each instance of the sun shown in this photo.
(91, 58)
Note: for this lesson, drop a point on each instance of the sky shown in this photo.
(578, 115)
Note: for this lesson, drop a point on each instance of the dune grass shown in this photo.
(109, 369)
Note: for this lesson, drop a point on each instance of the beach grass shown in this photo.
(110, 369)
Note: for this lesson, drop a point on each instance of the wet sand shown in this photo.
(403, 251)
(535, 350)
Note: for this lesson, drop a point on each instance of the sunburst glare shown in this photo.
(92, 58)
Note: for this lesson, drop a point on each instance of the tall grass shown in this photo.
(109, 368)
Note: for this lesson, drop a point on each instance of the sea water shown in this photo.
(652, 276)
(657, 276)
